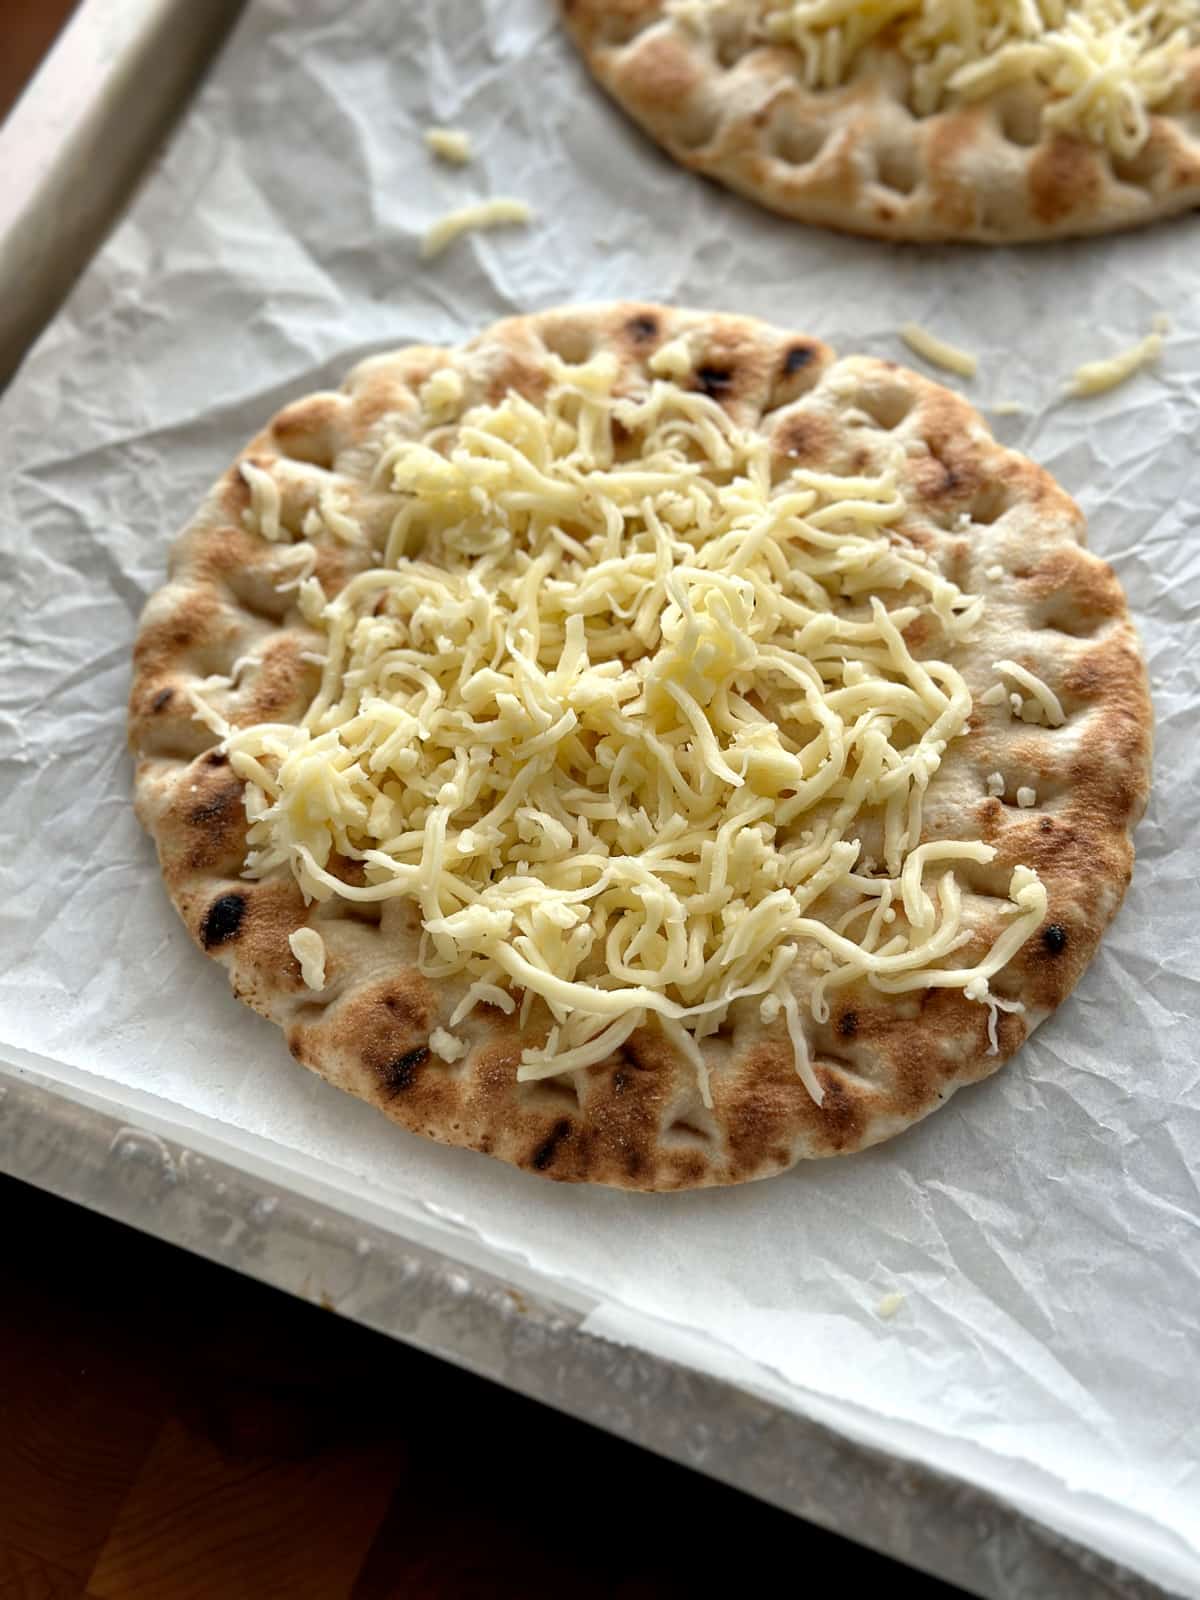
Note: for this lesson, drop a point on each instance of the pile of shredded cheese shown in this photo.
(625, 712)
(1105, 63)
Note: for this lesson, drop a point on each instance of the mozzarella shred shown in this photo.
(498, 213)
(308, 947)
(1098, 377)
(632, 720)
(449, 144)
(937, 351)
(1101, 66)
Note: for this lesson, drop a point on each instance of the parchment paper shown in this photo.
(1043, 1228)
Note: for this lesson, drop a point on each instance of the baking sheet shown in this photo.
(1044, 1228)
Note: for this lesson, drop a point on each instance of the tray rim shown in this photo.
(116, 77)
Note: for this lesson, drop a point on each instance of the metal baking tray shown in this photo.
(76, 142)
(112, 84)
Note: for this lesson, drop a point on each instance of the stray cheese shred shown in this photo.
(498, 213)
(938, 352)
(1098, 377)
(632, 719)
(308, 947)
(449, 144)
(1103, 65)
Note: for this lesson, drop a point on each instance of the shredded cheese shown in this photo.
(937, 351)
(1045, 700)
(262, 514)
(672, 360)
(994, 573)
(449, 144)
(889, 1305)
(496, 213)
(978, 989)
(441, 395)
(446, 1045)
(631, 718)
(1102, 66)
(308, 947)
(1098, 377)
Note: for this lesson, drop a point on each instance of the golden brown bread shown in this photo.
(856, 157)
(636, 1120)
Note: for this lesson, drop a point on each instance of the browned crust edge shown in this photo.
(856, 159)
(635, 1121)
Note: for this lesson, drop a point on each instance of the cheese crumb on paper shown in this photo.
(498, 213)
(449, 144)
(1098, 377)
(565, 764)
(938, 352)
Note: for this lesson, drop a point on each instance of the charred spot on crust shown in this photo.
(797, 358)
(216, 808)
(1055, 938)
(162, 700)
(216, 758)
(642, 327)
(848, 1024)
(628, 1054)
(224, 920)
(620, 1082)
(715, 382)
(545, 1152)
(400, 1073)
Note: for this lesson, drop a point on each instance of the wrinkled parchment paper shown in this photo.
(1043, 1228)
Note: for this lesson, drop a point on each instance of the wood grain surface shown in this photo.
(171, 1431)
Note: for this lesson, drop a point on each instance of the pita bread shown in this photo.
(991, 519)
(856, 157)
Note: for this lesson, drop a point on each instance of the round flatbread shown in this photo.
(641, 746)
(830, 114)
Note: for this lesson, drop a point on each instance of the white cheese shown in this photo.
(449, 144)
(441, 395)
(262, 514)
(937, 351)
(611, 713)
(889, 1305)
(308, 947)
(1047, 701)
(995, 784)
(1097, 377)
(446, 1046)
(1026, 797)
(496, 213)
(1100, 67)
(672, 360)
